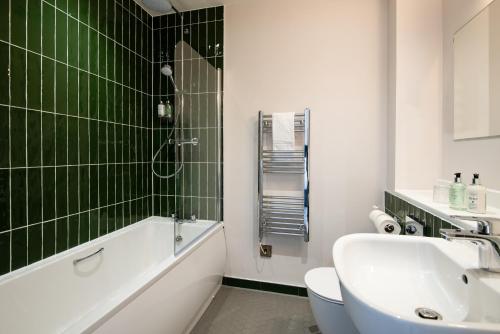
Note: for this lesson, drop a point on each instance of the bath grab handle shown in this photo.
(76, 261)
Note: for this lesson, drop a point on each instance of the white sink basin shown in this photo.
(385, 278)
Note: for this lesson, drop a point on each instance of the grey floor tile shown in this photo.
(241, 311)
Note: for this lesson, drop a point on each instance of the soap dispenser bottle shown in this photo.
(457, 193)
(476, 196)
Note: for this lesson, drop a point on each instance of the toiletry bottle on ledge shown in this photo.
(457, 194)
(476, 196)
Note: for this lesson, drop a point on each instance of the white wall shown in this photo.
(471, 155)
(331, 56)
(415, 65)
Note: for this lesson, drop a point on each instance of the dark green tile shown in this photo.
(18, 77)
(84, 184)
(18, 137)
(84, 11)
(18, 23)
(62, 5)
(111, 184)
(110, 18)
(102, 18)
(49, 239)
(110, 106)
(4, 200)
(61, 140)
(102, 143)
(83, 47)
(34, 25)
(83, 140)
(84, 227)
(103, 221)
(4, 73)
(72, 91)
(61, 235)
(94, 186)
(118, 24)
(34, 138)
(94, 141)
(94, 224)
(61, 88)
(93, 97)
(4, 21)
(48, 139)
(93, 15)
(103, 112)
(83, 95)
(93, 52)
(73, 141)
(219, 13)
(4, 253)
(34, 195)
(48, 30)
(111, 218)
(72, 42)
(47, 95)
(4, 137)
(73, 8)
(61, 36)
(49, 193)
(102, 55)
(19, 248)
(61, 191)
(110, 59)
(73, 190)
(102, 184)
(280, 288)
(34, 243)
(73, 231)
(34, 81)
(111, 143)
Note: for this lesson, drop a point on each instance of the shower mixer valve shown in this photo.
(180, 142)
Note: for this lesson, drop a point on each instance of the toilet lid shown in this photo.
(325, 283)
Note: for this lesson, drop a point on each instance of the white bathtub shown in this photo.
(135, 285)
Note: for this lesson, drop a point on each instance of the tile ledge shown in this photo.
(423, 200)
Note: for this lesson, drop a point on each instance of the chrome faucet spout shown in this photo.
(485, 225)
(487, 236)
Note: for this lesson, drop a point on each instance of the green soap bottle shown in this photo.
(457, 193)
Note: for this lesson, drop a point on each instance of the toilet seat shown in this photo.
(324, 283)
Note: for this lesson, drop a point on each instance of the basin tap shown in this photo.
(487, 237)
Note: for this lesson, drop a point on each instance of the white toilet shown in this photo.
(326, 301)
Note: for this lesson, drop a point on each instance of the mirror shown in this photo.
(477, 76)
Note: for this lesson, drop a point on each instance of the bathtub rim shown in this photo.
(98, 316)
(5, 278)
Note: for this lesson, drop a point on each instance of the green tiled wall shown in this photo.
(194, 191)
(75, 123)
(399, 208)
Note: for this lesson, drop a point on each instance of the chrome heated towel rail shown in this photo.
(284, 215)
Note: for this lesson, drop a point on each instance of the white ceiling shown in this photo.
(184, 5)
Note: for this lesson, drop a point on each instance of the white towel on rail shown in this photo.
(284, 131)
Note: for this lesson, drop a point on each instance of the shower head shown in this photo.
(158, 5)
(166, 70)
